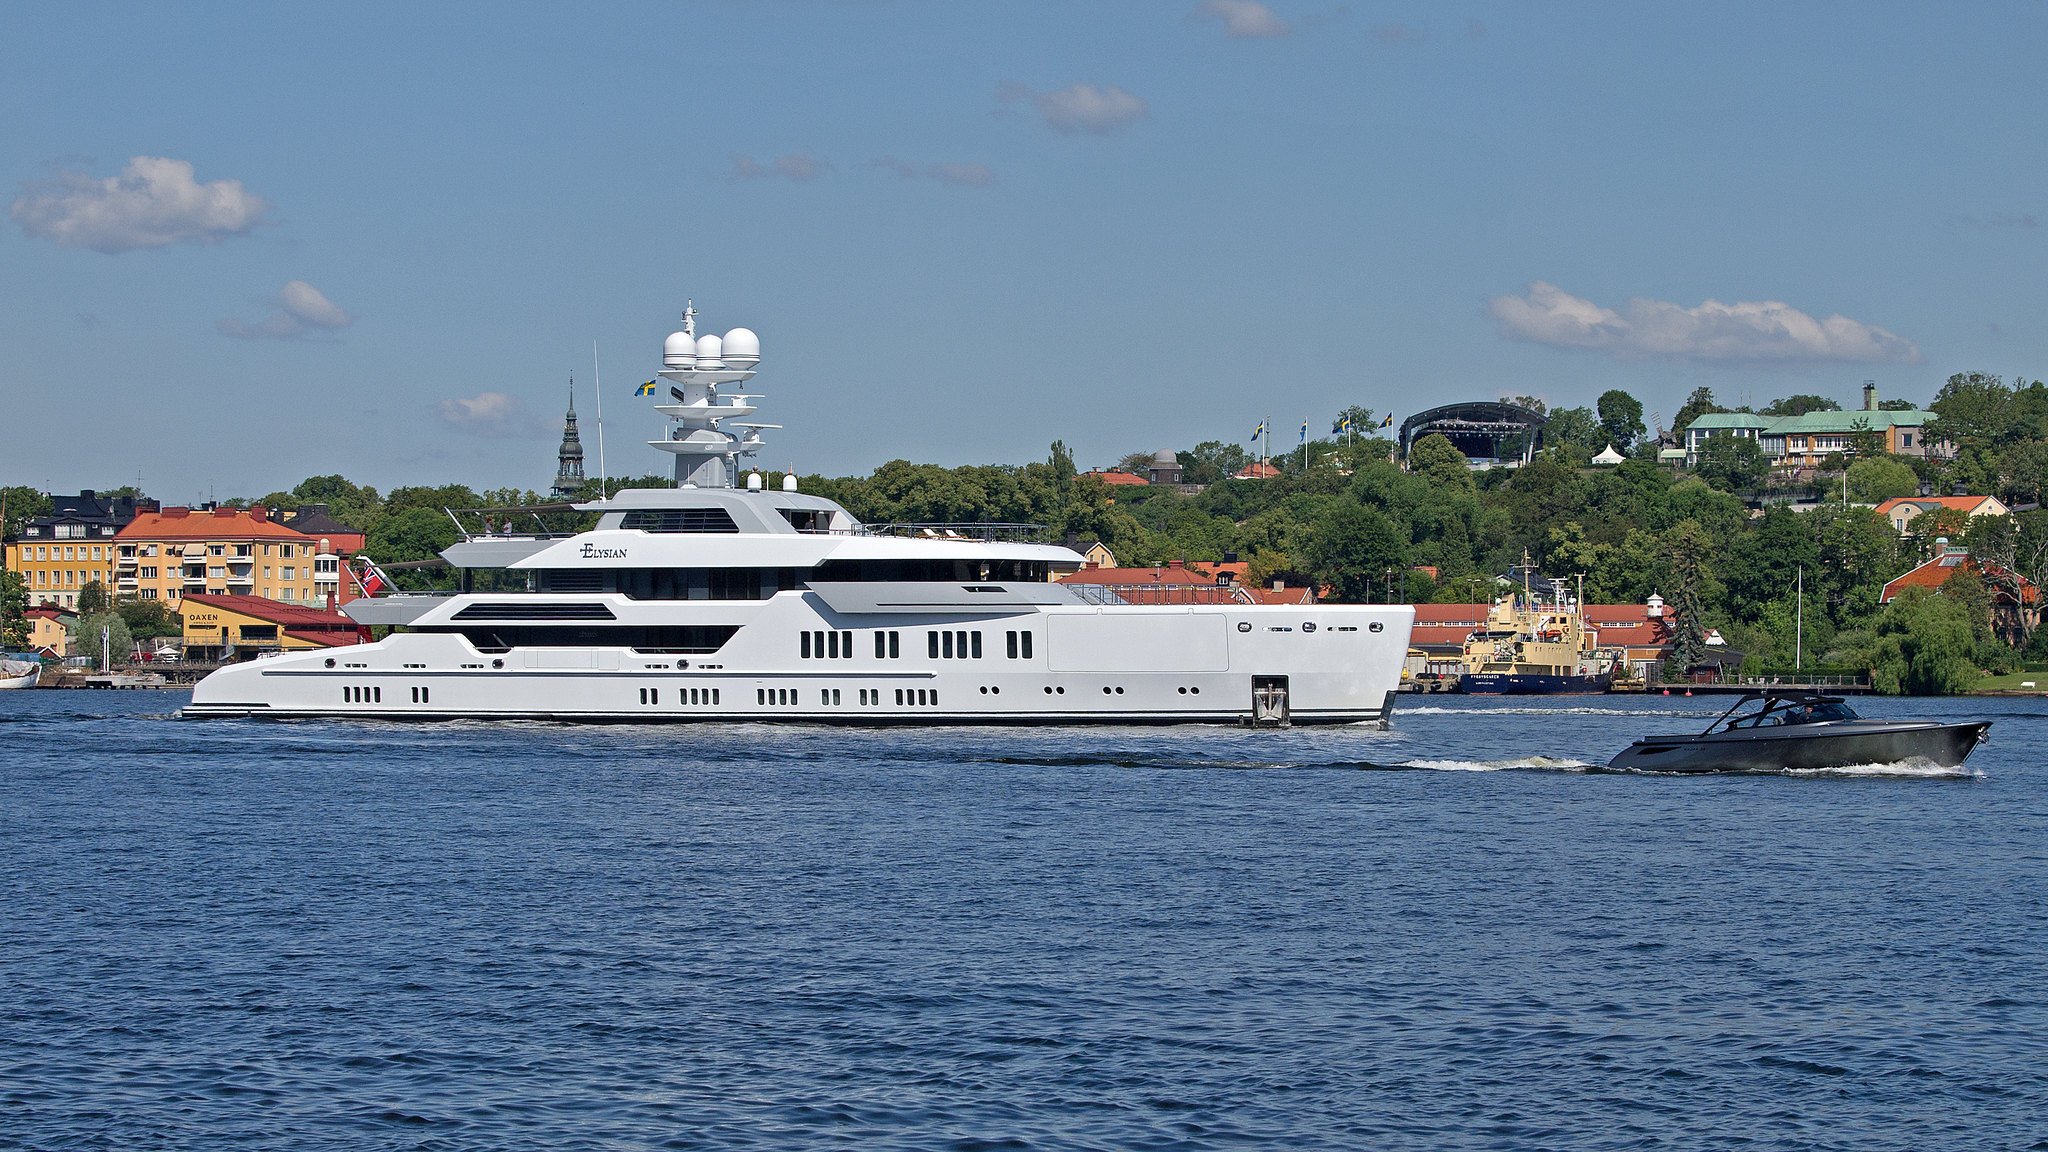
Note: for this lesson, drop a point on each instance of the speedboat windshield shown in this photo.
(1782, 710)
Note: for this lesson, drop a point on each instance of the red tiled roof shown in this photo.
(326, 639)
(1125, 576)
(293, 617)
(1936, 572)
(1927, 503)
(219, 524)
(1256, 470)
(1302, 595)
(1114, 477)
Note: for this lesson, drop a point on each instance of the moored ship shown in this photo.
(1529, 647)
(725, 598)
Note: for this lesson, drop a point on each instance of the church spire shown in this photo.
(569, 462)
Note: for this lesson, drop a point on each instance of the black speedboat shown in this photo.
(1801, 730)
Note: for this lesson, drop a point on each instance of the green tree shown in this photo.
(1686, 552)
(1436, 459)
(147, 619)
(85, 639)
(1575, 428)
(93, 599)
(1621, 418)
(1973, 408)
(1926, 645)
(1895, 406)
(1732, 463)
(13, 610)
(1353, 420)
(1799, 404)
(1351, 549)
(1212, 462)
(1875, 479)
(1061, 459)
(20, 504)
(1699, 404)
(1532, 403)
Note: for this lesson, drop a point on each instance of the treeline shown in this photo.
(1343, 514)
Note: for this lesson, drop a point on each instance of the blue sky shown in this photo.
(248, 244)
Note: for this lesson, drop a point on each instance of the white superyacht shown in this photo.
(725, 599)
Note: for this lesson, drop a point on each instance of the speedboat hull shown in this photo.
(1794, 747)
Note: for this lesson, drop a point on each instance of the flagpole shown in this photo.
(603, 480)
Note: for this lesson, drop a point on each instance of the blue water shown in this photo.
(228, 935)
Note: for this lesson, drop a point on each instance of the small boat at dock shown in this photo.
(19, 674)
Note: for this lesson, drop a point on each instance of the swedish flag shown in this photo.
(646, 389)
(1259, 431)
(1304, 431)
(1342, 426)
(1388, 422)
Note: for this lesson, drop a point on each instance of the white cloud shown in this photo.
(1081, 107)
(301, 308)
(1244, 19)
(1764, 330)
(964, 175)
(490, 414)
(796, 166)
(152, 203)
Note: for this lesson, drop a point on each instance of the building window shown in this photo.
(1905, 439)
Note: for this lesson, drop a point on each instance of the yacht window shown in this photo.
(946, 644)
(977, 645)
(1010, 645)
(881, 646)
(895, 650)
(931, 640)
(680, 520)
(833, 643)
(1024, 638)
(683, 639)
(803, 645)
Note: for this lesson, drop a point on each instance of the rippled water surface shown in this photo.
(322, 936)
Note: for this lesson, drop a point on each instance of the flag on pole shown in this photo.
(1388, 422)
(1304, 431)
(1259, 431)
(646, 389)
(1341, 426)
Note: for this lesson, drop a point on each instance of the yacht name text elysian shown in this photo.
(723, 599)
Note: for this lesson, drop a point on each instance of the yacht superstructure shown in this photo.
(726, 599)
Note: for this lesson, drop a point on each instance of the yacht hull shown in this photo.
(1531, 684)
(1131, 665)
(1798, 747)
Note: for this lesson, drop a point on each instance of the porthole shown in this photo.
(1119, 691)
(1376, 626)
(1308, 626)
(1183, 691)
(330, 661)
(1105, 689)
(1048, 689)
(497, 663)
(1244, 625)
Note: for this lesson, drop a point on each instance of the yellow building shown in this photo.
(217, 625)
(171, 554)
(59, 554)
(50, 628)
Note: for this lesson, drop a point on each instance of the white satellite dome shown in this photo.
(678, 351)
(709, 351)
(742, 348)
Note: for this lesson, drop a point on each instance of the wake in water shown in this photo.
(1547, 710)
